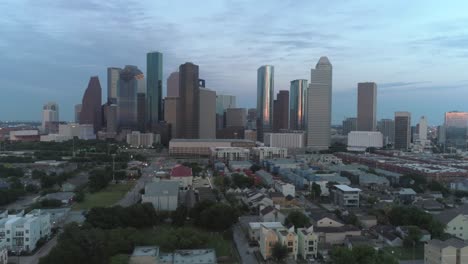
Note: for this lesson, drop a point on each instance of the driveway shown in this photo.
(242, 246)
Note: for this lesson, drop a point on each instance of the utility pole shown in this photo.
(113, 168)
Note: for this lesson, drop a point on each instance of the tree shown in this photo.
(360, 255)
(298, 219)
(413, 237)
(224, 214)
(99, 179)
(79, 196)
(279, 252)
(179, 216)
(241, 181)
(316, 190)
(254, 168)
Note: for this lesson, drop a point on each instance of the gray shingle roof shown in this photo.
(161, 188)
(446, 216)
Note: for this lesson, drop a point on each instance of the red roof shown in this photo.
(181, 171)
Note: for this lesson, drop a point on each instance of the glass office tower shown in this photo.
(154, 79)
(297, 104)
(265, 94)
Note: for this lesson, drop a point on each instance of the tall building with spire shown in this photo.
(319, 105)
(367, 106)
(265, 95)
(91, 104)
(297, 104)
(154, 80)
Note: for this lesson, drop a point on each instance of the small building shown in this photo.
(346, 196)
(239, 165)
(64, 197)
(362, 140)
(228, 154)
(308, 242)
(264, 153)
(266, 178)
(162, 194)
(285, 188)
(271, 214)
(183, 175)
(456, 221)
(406, 195)
(450, 251)
(144, 255)
(367, 221)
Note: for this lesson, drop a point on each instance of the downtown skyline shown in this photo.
(424, 61)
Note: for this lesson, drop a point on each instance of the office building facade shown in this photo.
(281, 111)
(297, 104)
(113, 75)
(367, 106)
(223, 102)
(456, 124)
(348, 125)
(154, 80)
(173, 85)
(91, 104)
(402, 130)
(236, 117)
(319, 105)
(265, 95)
(207, 115)
(127, 96)
(77, 113)
(171, 112)
(189, 101)
(387, 128)
(50, 114)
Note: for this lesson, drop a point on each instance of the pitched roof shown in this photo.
(267, 210)
(332, 229)
(319, 215)
(453, 242)
(181, 171)
(446, 216)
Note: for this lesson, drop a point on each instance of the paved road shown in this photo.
(242, 246)
(22, 202)
(34, 259)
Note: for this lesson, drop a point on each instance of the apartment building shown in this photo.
(308, 242)
(346, 196)
(263, 153)
(450, 251)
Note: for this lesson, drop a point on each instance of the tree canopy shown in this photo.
(298, 219)
(360, 255)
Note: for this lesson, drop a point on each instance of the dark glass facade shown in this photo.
(129, 79)
(189, 93)
(91, 104)
(281, 111)
(265, 95)
(154, 75)
(297, 104)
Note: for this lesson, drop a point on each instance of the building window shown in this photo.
(330, 223)
(8, 240)
(27, 239)
(8, 231)
(461, 227)
(27, 231)
(290, 244)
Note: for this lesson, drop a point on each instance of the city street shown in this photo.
(242, 246)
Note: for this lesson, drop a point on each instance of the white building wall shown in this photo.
(284, 140)
(361, 140)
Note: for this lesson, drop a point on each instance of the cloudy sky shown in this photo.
(416, 51)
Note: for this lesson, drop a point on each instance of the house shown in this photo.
(403, 232)
(277, 197)
(21, 232)
(308, 242)
(354, 241)
(429, 205)
(152, 255)
(450, 251)
(388, 235)
(288, 238)
(271, 214)
(162, 194)
(265, 177)
(336, 235)
(64, 197)
(183, 175)
(285, 188)
(270, 236)
(345, 196)
(325, 219)
(143, 255)
(267, 240)
(405, 195)
(255, 228)
(456, 221)
(68, 187)
(367, 221)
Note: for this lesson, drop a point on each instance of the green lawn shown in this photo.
(402, 253)
(106, 197)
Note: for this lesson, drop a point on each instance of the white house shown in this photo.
(285, 188)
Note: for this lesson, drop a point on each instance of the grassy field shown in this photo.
(106, 197)
(402, 253)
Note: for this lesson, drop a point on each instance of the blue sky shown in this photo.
(416, 51)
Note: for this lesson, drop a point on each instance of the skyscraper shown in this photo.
(297, 104)
(141, 112)
(319, 105)
(281, 111)
(422, 129)
(349, 124)
(223, 102)
(77, 113)
(130, 79)
(113, 74)
(154, 75)
(111, 118)
(265, 95)
(173, 85)
(366, 106)
(171, 114)
(387, 128)
(236, 117)
(252, 118)
(50, 114)
(456, 129)
(189, 100)
(402, 130)
(207, 115)
(91, 104)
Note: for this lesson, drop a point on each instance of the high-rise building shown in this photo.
(297, 105)
(387, 128)
(422, 131)
(223, 102)
(130, 79)
(281, 111)
(91, 105)
(154, 80)
(113, 75)
(173, 85)
(265, 95)
(349, 124)
(111, 118)
(207, 115)
(77, 113)
(366, 106)
(319, 105)
(456, 129)
(402, 130)
(50, 114)
(252, 119)
(141, 112)
(189, 101)
(171, 112)
(236, 117)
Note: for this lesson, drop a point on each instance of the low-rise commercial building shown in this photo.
(145, 140)
(361, 140)
(285, 140)
(228, 154)
(202, 147)
(263, 153)
(285, 188)
(24, 135)
(183, 175)
(163, 195)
